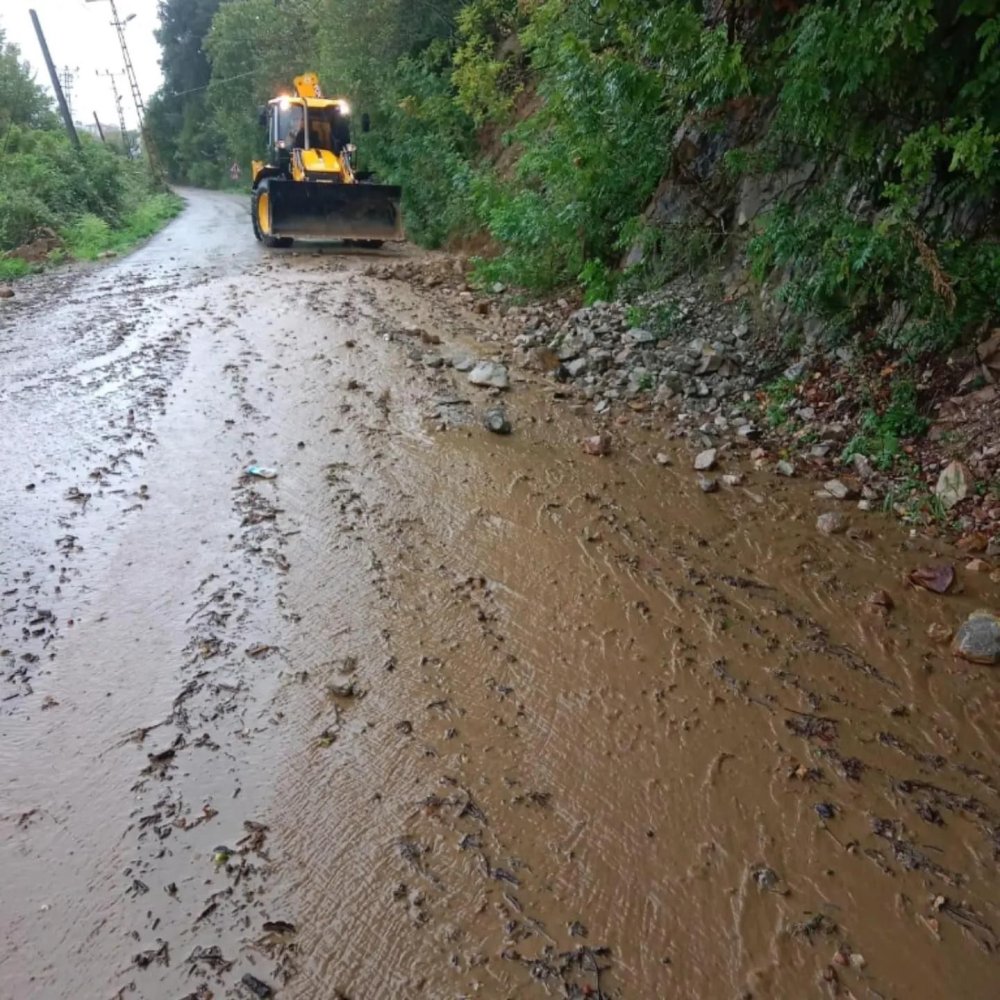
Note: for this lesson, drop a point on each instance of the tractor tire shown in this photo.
(259, 213)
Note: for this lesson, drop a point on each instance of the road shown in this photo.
(437, 713)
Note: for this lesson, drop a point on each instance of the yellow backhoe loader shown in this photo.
(309, 190)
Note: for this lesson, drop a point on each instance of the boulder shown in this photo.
(978, 638)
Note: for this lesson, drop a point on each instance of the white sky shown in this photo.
(80, 35)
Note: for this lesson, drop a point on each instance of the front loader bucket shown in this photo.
(315, 210)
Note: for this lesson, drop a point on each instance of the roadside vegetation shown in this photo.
(566, 136)
(58, 201)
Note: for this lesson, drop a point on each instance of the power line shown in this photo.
(140, 106)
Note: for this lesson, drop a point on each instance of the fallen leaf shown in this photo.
(973, 543)
(938, 579)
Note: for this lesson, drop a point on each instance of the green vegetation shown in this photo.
(94, 199)
(549, 125)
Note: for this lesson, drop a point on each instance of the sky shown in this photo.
(81, 37)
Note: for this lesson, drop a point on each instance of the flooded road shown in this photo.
(437, 713)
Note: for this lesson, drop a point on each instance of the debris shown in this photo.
(840, 490)
(831, 523)
(937, 632)
(953, 485)
(662, 458)
(343, 689)
(497, 422)
(221, 855)
(973, 543)
(978, 639)
(733, 479)
(765, 878)
(881, 599)
(257, 987)
(490, 374)
(261, 472)
(825, 810)
(599, 444)
(784, 468)
(279, 927)
(708, 484)
(705, 461)
(938, 579)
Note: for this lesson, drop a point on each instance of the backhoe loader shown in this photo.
(309, 190)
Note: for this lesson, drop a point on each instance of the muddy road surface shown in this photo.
(435, 712)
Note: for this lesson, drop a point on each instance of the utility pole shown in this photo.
(126, 145)
(68, 80)
(100, 131)
(56, 86)
(140, 108)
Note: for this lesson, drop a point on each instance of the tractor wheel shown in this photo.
(260, 214)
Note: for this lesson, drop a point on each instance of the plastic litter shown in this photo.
(261, 472)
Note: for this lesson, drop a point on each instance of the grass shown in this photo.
(14, 267)
(90, 236)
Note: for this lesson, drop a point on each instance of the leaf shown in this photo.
(938, 579)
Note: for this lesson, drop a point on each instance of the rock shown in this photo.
(257, 987)
(758, 453)
(599, 444)
(497, 422)
(785, 469)
(705, 460)
(839, 490)
(433, 361)
(708, 484)
(6, 292)
(953, 485)
(973, 543)
(978, 638)
(576, 367)
(748, 432)
(978, 566)
(498, 288)
(733, 479)
(864, 505)
(490, 373)
(662, 458)
(639, 336)
(831, 523)
(862, 466)
(463, 364)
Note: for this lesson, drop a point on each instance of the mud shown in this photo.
(437, 712)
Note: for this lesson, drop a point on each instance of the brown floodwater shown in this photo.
(437, 713)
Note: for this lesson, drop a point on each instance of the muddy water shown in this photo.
(436, 713)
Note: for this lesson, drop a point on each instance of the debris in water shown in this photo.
(257, 987)
(261, 472)
(599, 444)
(978, 638)
(497, 422)
(937, 579)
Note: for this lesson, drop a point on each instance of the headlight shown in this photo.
(285, 104)
(345, 108)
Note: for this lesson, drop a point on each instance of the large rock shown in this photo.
(953, 485)
(978, 638)
(831, 523)
(705, 460)
(490, 373)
